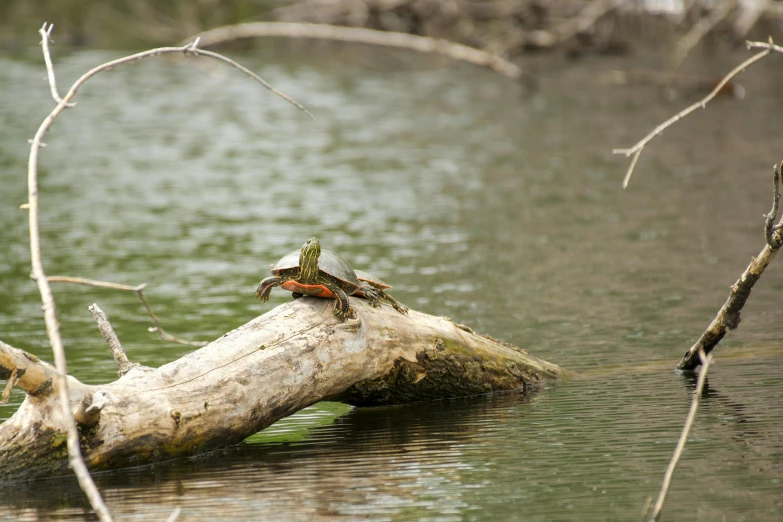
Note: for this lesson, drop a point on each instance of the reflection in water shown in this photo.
(477, 200)
(501, 455)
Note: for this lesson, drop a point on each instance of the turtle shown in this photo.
(319, 272)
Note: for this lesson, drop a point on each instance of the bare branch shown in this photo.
(368, 36)
(139, 290)
(192, 49)
(636, 149)
(46, 32)
(728, 317)
(162, 334)
(773, 240)
(706, 24)
(765, 45)
(632, 166)
(92, 282)
(76, 461)
(123, 364)
(667, 478)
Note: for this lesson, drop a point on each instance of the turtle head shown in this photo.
(308, 260)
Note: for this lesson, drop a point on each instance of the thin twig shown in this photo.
(117, 351)
(769, 46)
(667, 478)
(92, 282)
(46, 33)
(680, 115)
(632, 166)
(139, 291)
(192, 49)
(159, 329)
(360, 35)
(50, 317)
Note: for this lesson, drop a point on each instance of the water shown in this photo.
(477, 198)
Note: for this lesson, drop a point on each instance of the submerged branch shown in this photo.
(667, 478)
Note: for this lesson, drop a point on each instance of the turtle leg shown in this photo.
(371, 294)
(342, 308)
(395, 304)
(265, 287)
(296, 295)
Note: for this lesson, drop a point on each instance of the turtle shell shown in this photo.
(328, 262)
(371, 279)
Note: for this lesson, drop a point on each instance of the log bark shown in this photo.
(289, 358)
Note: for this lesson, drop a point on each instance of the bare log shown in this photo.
(289, 358)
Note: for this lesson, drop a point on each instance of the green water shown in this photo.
(477, 198)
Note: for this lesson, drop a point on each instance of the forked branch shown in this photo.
(76, 461)
(636, 150)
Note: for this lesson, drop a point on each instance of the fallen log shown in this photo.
(291, 357)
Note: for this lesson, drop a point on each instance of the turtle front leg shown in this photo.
(342, 308)
(265, 287)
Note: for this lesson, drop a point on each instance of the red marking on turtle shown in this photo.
(312, 290)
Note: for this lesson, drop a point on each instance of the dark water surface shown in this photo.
(479, 199)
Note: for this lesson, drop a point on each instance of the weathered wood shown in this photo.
(273, 366)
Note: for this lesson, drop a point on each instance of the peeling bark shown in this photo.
(273, 366)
